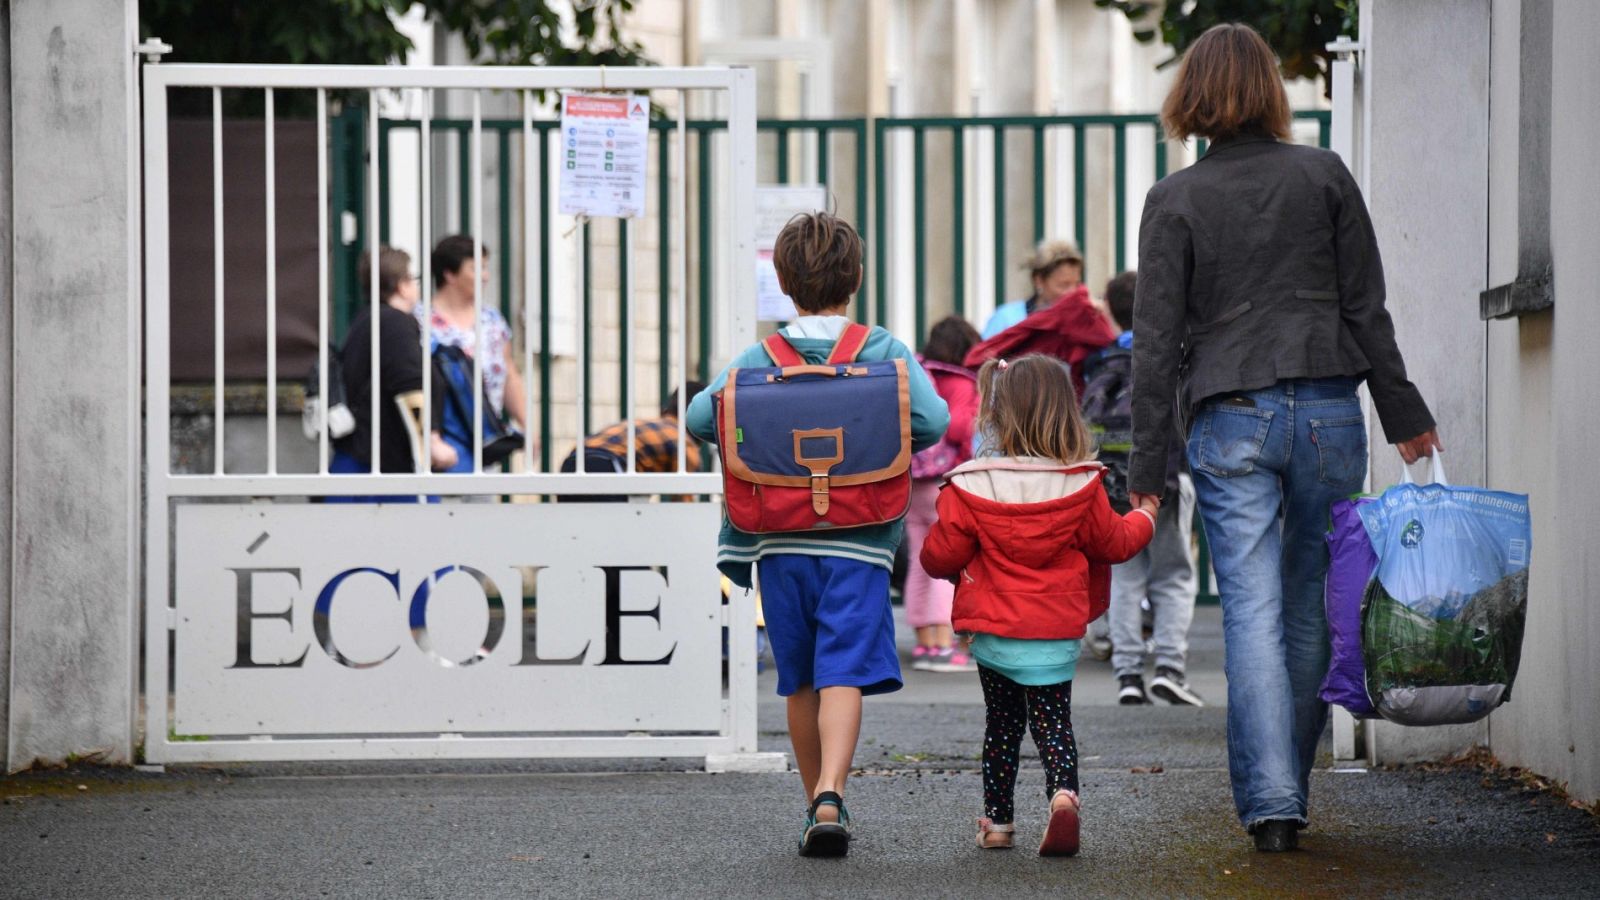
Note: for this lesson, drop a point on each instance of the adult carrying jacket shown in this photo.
(1072, 329)
(1258, 264)
(1031, 542)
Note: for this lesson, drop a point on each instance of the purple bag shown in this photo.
(1351, 565)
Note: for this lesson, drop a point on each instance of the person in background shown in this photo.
(457, 285)
(400, 363)
(1261, 300)
(1057, 268)
(1164, 571)
(927, 599)
(655, 443)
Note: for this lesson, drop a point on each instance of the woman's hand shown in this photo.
(1420, 446)
(441, 455)
(1150, 503)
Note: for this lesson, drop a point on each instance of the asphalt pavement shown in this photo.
(1157, 821)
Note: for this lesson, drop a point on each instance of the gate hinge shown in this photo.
(152, 49)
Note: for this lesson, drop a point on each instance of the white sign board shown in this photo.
(605, 140)
(775, 206)
(386, 619)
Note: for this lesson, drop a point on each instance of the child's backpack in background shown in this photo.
(809, 447)
(1108, 410)
(935, 461)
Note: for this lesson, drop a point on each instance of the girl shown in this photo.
(928, 599)
(1028, 534)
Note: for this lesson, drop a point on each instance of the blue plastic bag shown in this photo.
(1442, 621)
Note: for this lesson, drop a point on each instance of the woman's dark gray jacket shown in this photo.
(1256, 264)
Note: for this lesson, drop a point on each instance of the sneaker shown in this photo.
(1276, 835)
(1099, 647)
(953, 660)
(922, 658)
(1170, 686)
(1132, 693)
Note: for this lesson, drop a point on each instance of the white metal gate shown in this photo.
(279, 627)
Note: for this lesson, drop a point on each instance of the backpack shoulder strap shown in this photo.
(782, 352)
(849, 344)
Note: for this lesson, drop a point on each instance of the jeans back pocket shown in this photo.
(1341, 450)
(1228, 439)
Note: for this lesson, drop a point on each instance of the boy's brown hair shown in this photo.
(1228, 85)
(949, 340)
(1028, 408)
(818, 258)
(1119, 297)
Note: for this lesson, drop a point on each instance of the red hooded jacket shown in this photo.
(1072, 329)
(1032, 542)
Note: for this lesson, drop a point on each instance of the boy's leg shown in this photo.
(1050, 718)
(1005, 719)
(1172, 578)
(1129, 582)
(803, 707)
(838, 726)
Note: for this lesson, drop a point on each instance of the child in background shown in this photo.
(1164, 571)
(825, 593)
(928, 599)
(1028, 534)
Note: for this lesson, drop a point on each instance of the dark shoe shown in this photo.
(1132, 693)
(1277, 835)
(1170, 686)
(822, 839)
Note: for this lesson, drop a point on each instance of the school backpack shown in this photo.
(1108, 411)
(935, 461)
(453, 382)
(807, 447)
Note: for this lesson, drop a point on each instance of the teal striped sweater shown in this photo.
(737, 551)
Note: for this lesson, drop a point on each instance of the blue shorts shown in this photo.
(829, 623)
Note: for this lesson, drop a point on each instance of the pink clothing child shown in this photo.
(927, 599)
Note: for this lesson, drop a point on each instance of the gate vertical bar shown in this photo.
(158, 417)
(880, 219)
(703, 245)
(1038, 183)
(272, 291)
(1119, 188)
(480, 349)
(545, 409)
(626, 339)
(375, 461)
(531, 263)
(382, 149)
(863, 214)
(681, 241)
(999, 215)
(218, 413)
(664, 264)
(322, 279)
(503, 221)
(585, 354)
(919, 231)
(1161, 153)
(1080, 189)
(958, 238)
(425, 250)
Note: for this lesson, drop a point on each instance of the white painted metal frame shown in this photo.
(738, 733)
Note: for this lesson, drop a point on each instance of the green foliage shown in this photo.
(1297, 30)
(362, 32)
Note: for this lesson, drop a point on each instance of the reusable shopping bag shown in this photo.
(1442, 622)
(1351, 564)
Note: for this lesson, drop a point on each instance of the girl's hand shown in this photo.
(1420, 446)
(1150, 503)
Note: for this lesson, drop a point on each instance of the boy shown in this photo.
(825, 594)
(1163, 571)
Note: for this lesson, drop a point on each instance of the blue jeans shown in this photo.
(1267, 464)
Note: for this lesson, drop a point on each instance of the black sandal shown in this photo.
(826, 839)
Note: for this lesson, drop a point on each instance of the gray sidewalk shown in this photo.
(1157, 821)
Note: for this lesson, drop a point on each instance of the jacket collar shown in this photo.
(1238, 140)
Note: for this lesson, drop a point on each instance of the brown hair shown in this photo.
(949, 340)
(1228, 85)
(394, 267)
(1028, 408)
(450, 254)
(818, 258)
(1119, 297)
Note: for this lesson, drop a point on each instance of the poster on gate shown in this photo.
(604, 144)
(775, 206)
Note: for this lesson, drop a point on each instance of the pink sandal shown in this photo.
(1061, 835)
(986, 827)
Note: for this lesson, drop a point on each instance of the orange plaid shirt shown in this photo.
(655, 444)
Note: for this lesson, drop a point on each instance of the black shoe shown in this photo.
(1170, 686)
(1132, 693)
(1277, 835)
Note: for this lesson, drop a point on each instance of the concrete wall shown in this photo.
(1542, 373)
(72, 588)
(6, 293)
(1427, 70)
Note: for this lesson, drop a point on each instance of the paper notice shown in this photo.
(604, 144)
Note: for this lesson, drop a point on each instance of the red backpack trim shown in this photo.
(845, 349)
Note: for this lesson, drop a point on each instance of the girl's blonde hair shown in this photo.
(1028, 408)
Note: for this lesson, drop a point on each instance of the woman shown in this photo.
(1057, 268)
(400, 361)
(1261, 297)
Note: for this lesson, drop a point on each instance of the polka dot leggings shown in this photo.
(1012, 709)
